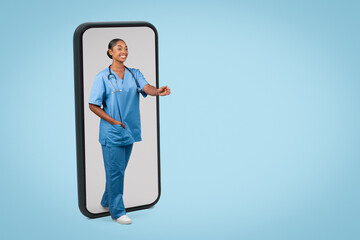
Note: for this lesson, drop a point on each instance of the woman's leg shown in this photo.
(105, 197)
(115, 162)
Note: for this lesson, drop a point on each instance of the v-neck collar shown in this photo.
(117, 75)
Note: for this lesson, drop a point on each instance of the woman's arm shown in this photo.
(153, 91)
(100, 112)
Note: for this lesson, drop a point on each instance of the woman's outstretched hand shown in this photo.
(163, 91)
(153, 91)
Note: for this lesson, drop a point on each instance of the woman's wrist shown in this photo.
(115, 122)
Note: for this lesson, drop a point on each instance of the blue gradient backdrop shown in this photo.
(260, 136)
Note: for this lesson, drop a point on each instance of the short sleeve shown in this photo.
(97, 91)
(142, 81)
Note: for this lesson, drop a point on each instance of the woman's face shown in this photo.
(119, 52)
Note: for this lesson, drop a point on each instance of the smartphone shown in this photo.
(142, 175)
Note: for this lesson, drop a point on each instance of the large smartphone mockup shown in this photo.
(142, 176)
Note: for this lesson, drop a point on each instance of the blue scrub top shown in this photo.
(122, 105)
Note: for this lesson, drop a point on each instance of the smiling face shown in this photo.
(119, 52)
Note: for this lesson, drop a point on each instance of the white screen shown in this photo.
(141, 176)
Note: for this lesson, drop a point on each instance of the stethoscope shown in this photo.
(110, 73)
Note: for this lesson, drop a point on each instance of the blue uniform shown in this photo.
(120, 100)
(124, 109)
(116, 159)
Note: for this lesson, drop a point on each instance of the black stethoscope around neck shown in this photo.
(110, 73)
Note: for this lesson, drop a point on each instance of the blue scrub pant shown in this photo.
(116, 159)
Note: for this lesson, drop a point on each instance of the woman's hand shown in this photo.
(118, 123)
(163, 91)
(153, 91)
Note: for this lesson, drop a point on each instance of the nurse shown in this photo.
(117, 89)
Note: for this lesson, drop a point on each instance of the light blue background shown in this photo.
(259, 138)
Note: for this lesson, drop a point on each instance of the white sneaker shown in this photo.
(123, 220)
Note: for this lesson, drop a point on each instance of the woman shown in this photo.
(117, 89)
